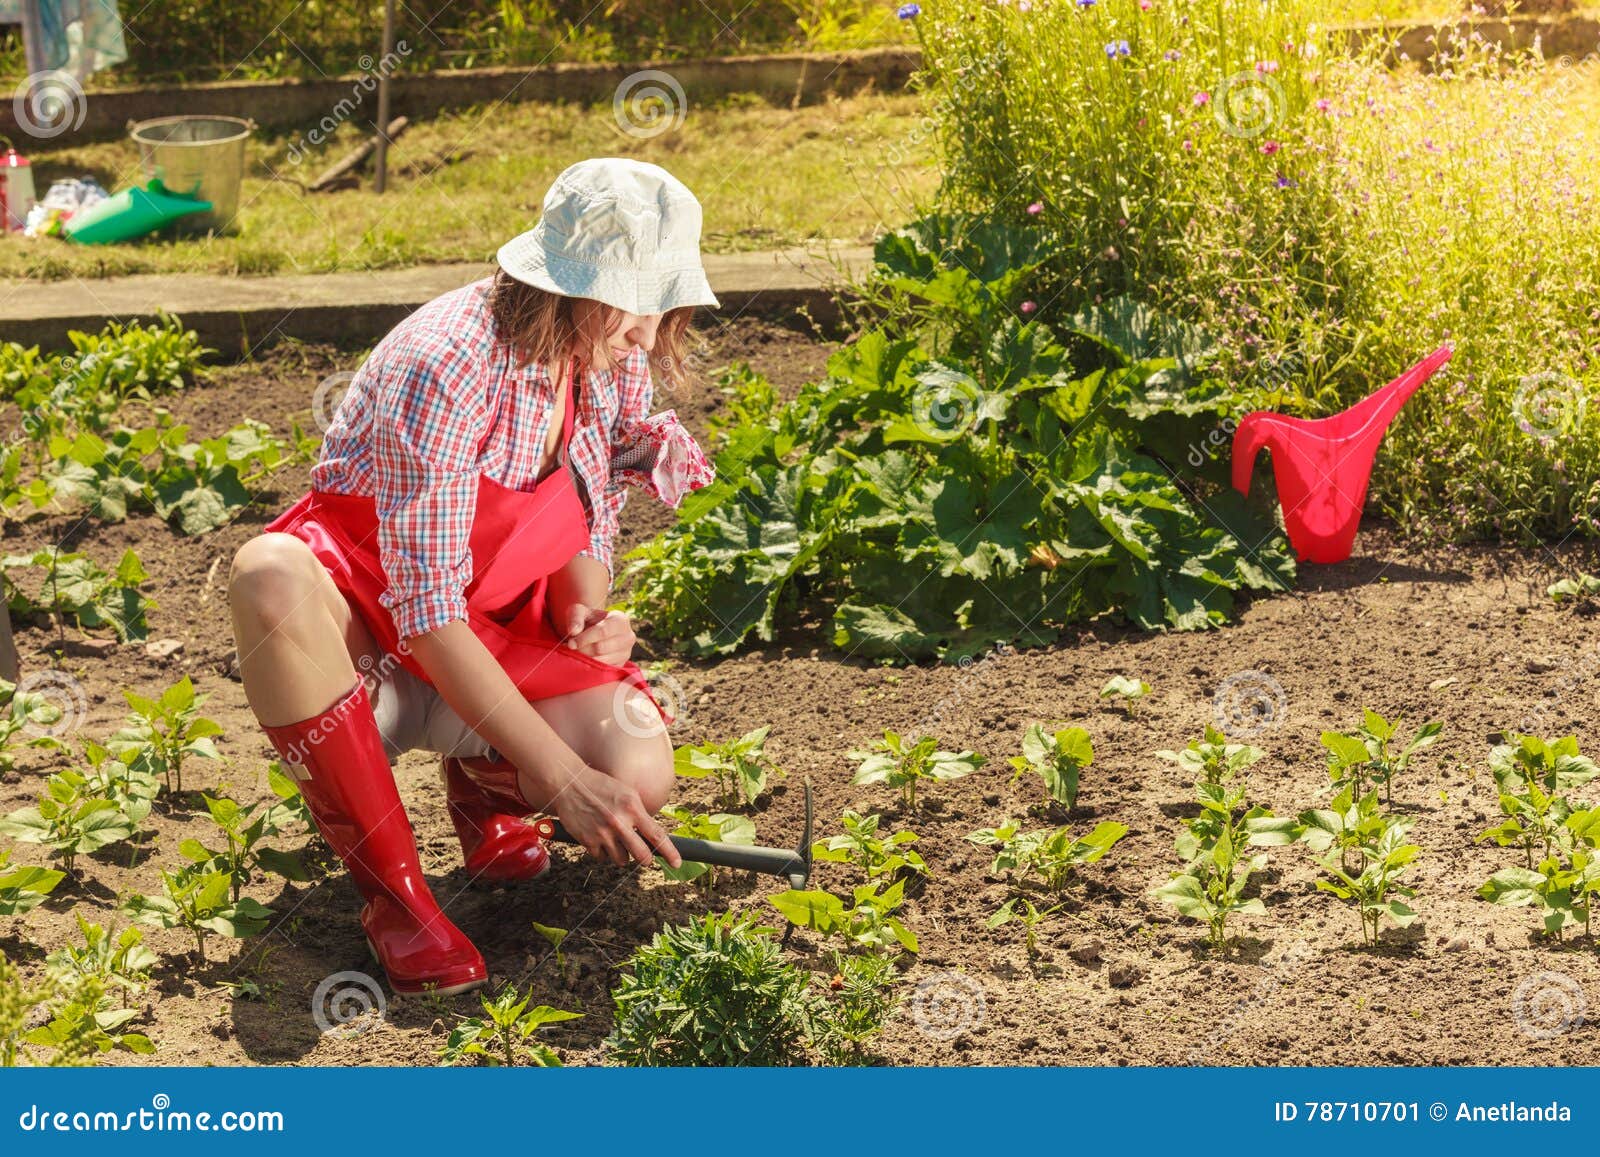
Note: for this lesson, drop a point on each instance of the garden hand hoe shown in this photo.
(795, 864)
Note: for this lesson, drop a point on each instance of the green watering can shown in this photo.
(130, 213)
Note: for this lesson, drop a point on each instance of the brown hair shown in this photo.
(546, 327)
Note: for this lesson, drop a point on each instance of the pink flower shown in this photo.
(1027, 307)
(1266, 66)
(1270, 147)
(1323, 105)
(1036, 208)
(1188, 146)
(1144, 5)
(1201, 99)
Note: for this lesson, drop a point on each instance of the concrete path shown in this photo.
(238, 314)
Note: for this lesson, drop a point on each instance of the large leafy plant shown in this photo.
(1028, 477)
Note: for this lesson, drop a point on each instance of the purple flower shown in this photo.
(909, 11)
(1201, 99)
(1285, 182)
(1085, 3)
(1116, 48)
(1171, 54)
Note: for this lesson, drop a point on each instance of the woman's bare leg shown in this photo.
(591, 723)
(298, 640)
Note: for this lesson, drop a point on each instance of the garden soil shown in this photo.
(1467, 636)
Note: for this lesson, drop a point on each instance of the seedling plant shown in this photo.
(162, 734)
(1368, 756)
(69, 820)
(721, 827)
(198, 899)
(903, 763)
(741, 767)
(874, 855)
(1058, 757)
(505, 1034)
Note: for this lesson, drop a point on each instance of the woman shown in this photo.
(455, 548)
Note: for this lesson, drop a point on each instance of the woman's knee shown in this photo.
(644, 764)
(275, 578)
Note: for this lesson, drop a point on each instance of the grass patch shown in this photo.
(767, 178)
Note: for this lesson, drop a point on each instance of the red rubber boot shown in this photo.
(344, 775)
(486, 808)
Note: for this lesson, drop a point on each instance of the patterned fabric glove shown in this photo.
(658, 455)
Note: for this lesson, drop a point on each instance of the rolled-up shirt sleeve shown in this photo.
(429, 422)
(635, 388)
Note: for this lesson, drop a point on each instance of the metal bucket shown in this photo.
(196, 156)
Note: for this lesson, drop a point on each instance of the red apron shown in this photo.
(518, 539)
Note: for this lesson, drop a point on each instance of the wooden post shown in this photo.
(382, 159)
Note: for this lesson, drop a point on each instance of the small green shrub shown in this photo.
(714, 992)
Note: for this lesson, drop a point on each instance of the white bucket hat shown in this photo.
(618, 231)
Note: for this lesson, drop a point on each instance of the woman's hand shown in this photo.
(599, 633)
(609, 819)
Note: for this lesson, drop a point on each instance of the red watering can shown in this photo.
(1322, 465)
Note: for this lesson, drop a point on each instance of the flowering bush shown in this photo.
(1330, 216)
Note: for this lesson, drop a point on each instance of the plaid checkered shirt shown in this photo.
(440, 402)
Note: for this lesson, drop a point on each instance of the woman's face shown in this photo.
(633, 329)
